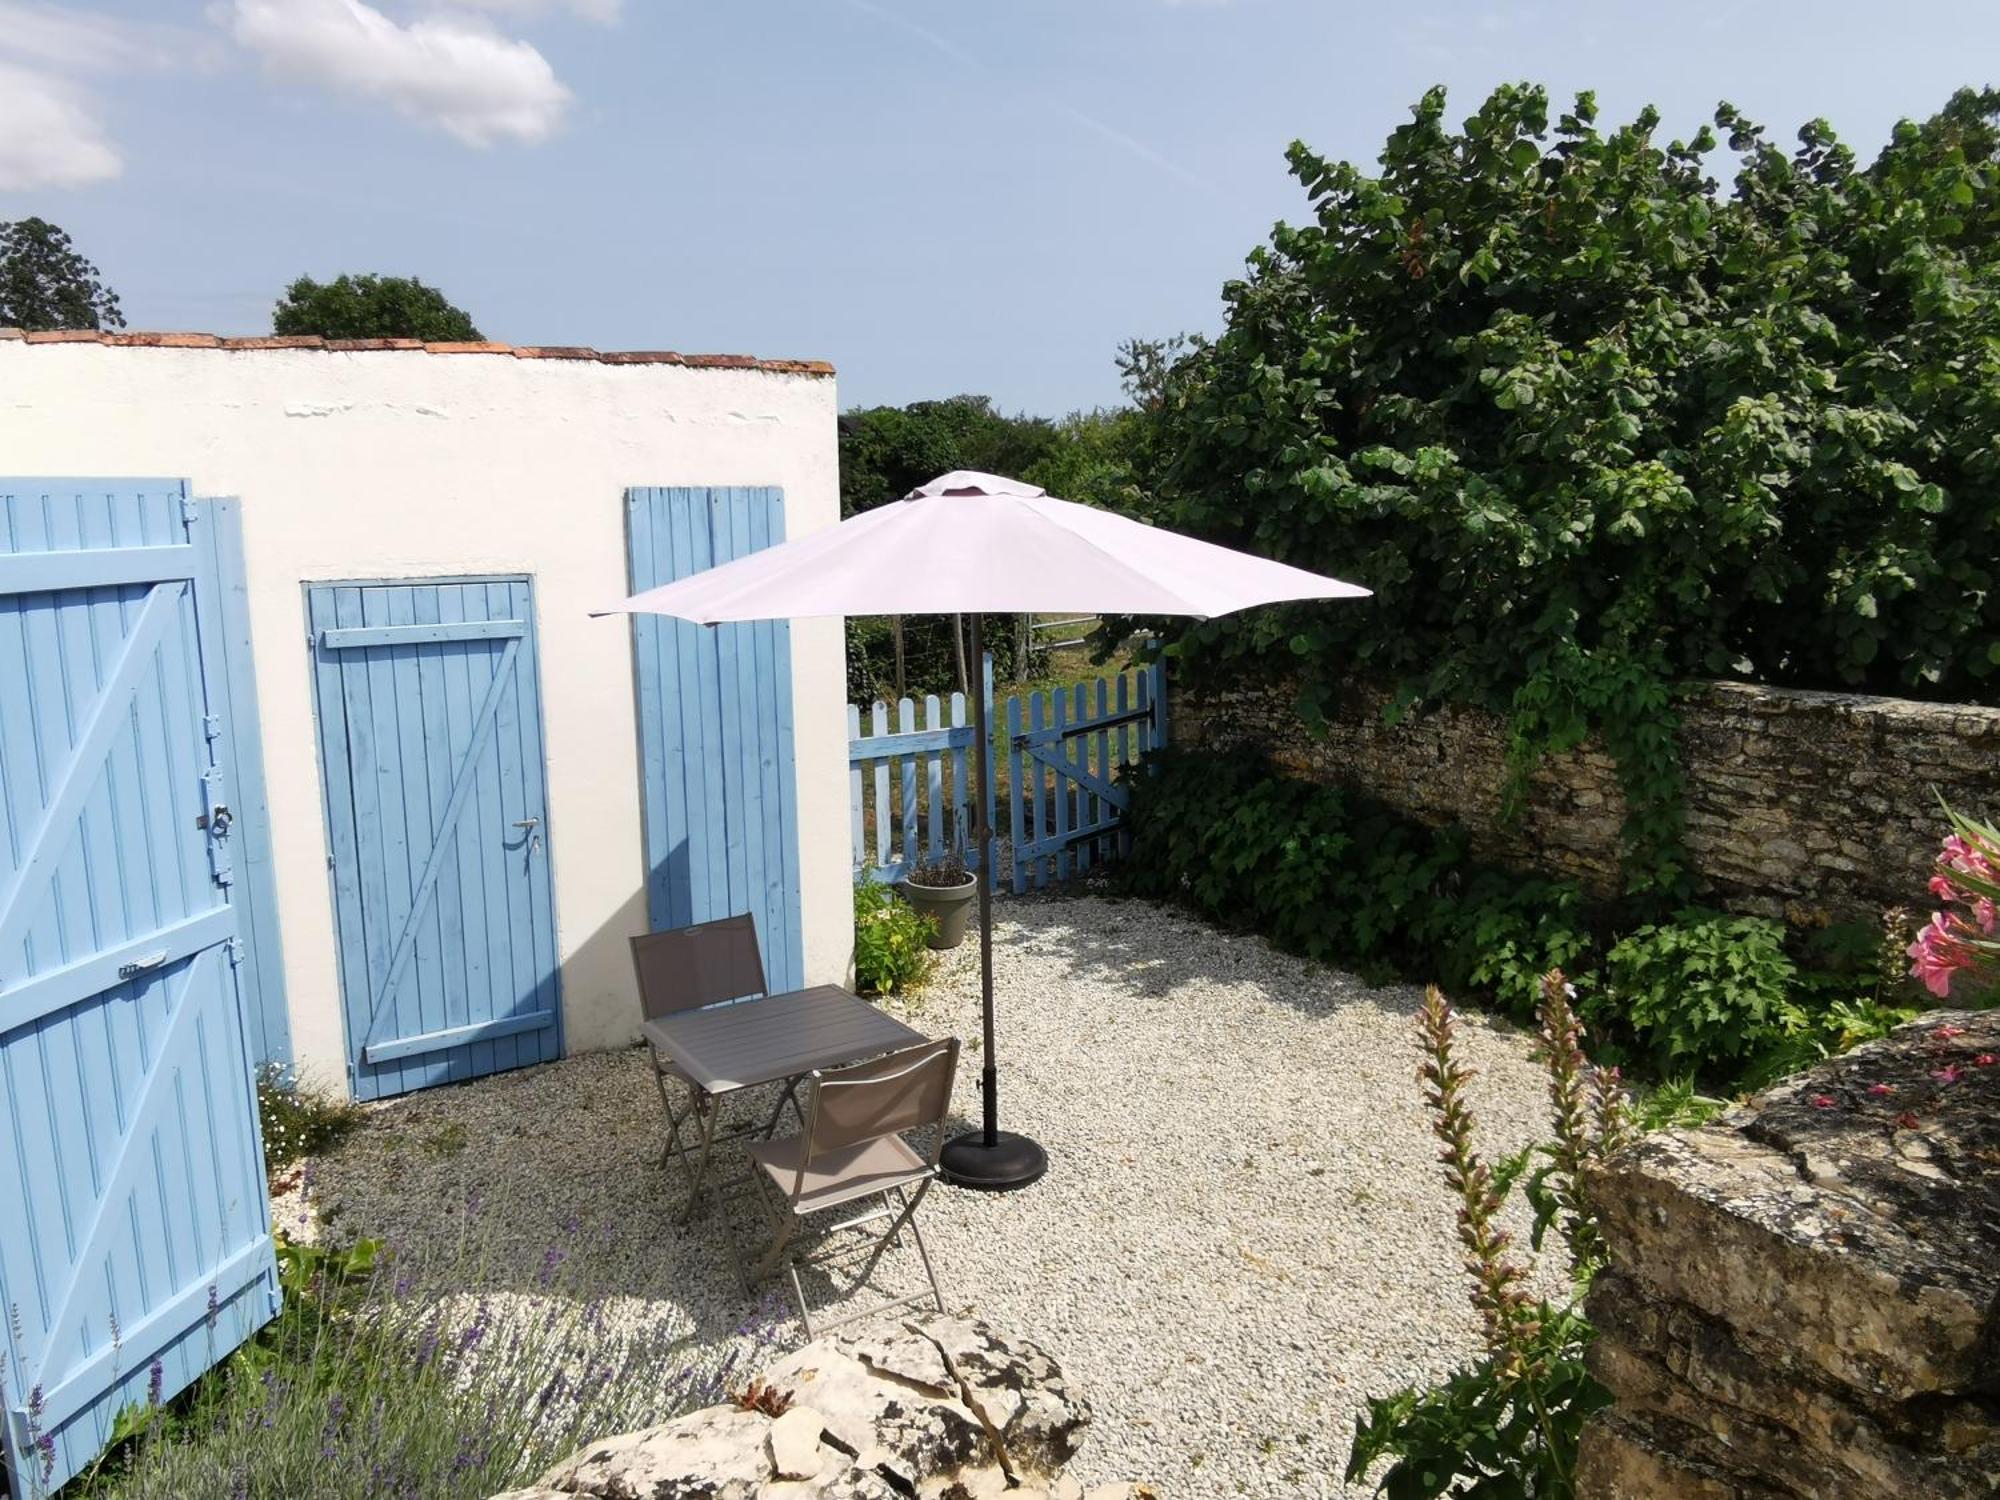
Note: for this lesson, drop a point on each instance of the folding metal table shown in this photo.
(727, 1048)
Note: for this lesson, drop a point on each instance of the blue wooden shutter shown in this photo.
(715, 729)
(134, 1226)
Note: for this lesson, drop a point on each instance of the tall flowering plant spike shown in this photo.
(1959, 948)
(1510, 1316)
(1570, 1097)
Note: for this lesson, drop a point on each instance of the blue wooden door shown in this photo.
(134, 1226)
(430, 734)
(715, 729)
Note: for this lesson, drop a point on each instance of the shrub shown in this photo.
(1329, 872)
(891, 940)
(400, 1375)
(1705, 988)
(1589, 422)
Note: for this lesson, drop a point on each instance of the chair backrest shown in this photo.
(690, 967)
(907, 1090)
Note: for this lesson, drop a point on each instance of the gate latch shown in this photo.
(141, 965)
(219, 821)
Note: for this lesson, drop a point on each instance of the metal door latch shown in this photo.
(141, 965)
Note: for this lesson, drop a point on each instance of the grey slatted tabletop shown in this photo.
(739, 1046)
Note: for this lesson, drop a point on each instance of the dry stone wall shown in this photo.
(1800, 804)
(1804, 1295)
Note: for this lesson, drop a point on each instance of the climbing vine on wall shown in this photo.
(1591, 424)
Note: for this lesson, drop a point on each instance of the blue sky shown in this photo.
(937, 195)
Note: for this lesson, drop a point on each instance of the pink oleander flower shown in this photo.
(1823, 1101)
(1985, 1060)
(1938, 954)
(1948, 1032)
(1881, 1090)
(1947, 1074)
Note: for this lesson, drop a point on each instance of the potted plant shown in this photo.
(942, 889)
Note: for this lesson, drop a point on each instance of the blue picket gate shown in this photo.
(720, 791)
(134, 1001)
(1068, 750)
(910, 782)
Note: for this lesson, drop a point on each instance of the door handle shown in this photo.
(529, 823)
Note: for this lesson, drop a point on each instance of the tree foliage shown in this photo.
(1588, 424)
(46, 284)
(371, 307)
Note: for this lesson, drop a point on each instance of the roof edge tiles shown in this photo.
(355, 346)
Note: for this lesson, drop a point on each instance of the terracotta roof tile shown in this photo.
(817, 367)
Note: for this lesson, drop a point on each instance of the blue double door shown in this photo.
(431, 760)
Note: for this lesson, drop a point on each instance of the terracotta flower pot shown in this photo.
(951, 905)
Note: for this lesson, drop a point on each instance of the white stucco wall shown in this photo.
(406, 463)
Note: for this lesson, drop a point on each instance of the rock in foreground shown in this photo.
(1805, 1292)
(938, 1408)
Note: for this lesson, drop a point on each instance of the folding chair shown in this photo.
(690, 968)
(852, 1149)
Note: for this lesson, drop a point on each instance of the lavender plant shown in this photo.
(426, 1376)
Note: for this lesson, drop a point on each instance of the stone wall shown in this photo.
(1804, 1299)
(1801, 804)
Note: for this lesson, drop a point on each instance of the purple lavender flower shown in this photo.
(156, 1383)
(551, 1258)
(214, 1306)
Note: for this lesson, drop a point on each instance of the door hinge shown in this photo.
(190, 510)
(235, 951)
(211, 725)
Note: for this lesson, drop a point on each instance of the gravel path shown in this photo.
(1242, 1235)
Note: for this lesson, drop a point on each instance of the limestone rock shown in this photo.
(1805, 1294)
(940, 1408)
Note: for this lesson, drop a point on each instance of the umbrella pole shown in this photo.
(988, 1158)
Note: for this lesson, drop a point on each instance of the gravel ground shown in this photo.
(1242, 1235)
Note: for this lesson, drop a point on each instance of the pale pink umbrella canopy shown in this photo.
(971, 543)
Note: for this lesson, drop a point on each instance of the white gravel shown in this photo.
(1242, 1235)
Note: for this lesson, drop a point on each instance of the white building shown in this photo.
(380, 465)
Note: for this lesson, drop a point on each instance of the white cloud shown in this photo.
(48, 135)
(451, 70)
(602, 11)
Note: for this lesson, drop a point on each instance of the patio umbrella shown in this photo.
(971, 543)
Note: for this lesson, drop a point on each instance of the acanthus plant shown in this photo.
(1509, 1424)
(1958, 950)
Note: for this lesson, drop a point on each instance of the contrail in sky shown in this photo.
(948, 48)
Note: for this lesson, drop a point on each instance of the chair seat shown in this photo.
(840, 1176)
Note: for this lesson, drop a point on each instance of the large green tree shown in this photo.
(1552, 391)
(371, 307)
(1588, 423)
(46, 284)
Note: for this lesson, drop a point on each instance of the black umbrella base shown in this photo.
(1012, 1161)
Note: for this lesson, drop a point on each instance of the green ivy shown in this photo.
(1590, 423)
